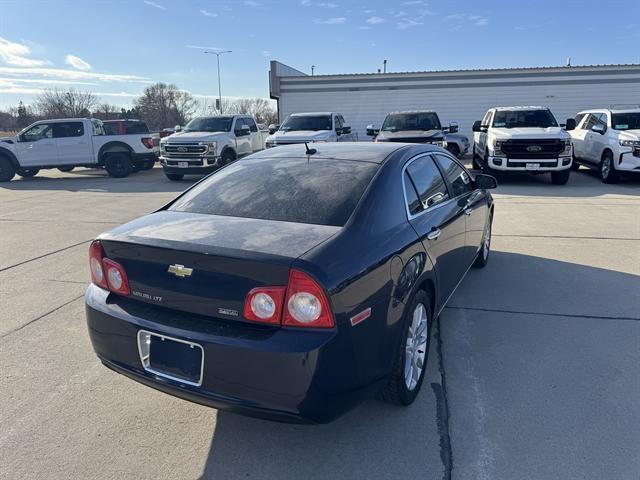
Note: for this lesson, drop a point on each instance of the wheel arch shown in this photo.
(228, 148)
(4, 152)
(113, 147)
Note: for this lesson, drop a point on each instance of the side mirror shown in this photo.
(177, 128)
(346, 129)
(273, 128)
(372, 131)
(485, 182)
(599, 129)
(571, 124)
(476, 126)
(243, 131)
(453, 127)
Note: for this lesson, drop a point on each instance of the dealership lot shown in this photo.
(535, 374)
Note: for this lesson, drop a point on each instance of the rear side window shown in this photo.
(458, 177)
(136, 127)
(68, 129)
(317, 191)
(251, 123)
(111, 128)
(428, 182)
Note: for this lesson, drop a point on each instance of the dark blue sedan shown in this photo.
(293, 283)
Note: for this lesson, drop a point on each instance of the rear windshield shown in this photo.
(317, 191)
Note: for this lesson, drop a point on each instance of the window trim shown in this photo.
(411, 216)
(446, 177)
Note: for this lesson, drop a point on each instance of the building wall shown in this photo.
(461, 97)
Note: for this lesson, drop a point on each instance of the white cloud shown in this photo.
(375, 20)
(66, 74)
(17, 54)
(200, 47)
(309, 3)
(77, 62)
(330, 21)
(414, 2)
(478, 20)
(267, 54)
(155, 5)
(208, 14)
(251, 3)
(408, 23)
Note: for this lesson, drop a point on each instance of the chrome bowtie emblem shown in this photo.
(180, 270)
(534, 148)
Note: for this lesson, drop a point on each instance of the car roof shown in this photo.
(372, 152)
(411, 111)
(305, 114)
(522, 107)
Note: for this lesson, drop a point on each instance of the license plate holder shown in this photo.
(532, 166)
(183, 164)
(172, 358)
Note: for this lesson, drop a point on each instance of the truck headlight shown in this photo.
(211, 148)
(629, 143)
(567, 148)
(497, 148)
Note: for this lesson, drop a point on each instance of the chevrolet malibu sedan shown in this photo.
(293, 283)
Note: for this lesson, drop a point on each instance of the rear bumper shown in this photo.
(278, 374)
(506, 164)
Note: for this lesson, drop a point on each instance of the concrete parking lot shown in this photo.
(533, 371)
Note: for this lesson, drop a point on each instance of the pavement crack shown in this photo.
(11, 332)
(44, 255)
(442, 409)
(545, 314)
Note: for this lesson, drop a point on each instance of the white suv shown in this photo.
(522, 139)
(609, 140)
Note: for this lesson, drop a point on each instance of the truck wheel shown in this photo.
(174, 177)
(575, 166)
(118, 165)
(413, 353)
(148, 164)
(27, 172)
(66, 169)
(7, 170)
(486, 168)
(453, 149)
(227, 157)
(475, 162)
(608, 173)
(561, 177)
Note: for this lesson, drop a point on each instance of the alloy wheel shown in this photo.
(416, 346)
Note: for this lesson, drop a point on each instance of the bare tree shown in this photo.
(260, 108)
(164, 105)
(56, 103)
(106, 111)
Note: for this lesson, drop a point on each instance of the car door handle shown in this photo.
(468, 211)
(433, 234)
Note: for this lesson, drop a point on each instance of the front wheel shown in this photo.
(7, 169)
(413, 352)
(608, 173)
(118, 165)
(28, 172)
(174, 177)
(561, 177)
(475, 161)
(66, 169)
(483, 255)
(453, 149)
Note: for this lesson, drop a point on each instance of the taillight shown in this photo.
(302, 303)
(106, 273)
(264, 304)
(306, 304)
(147, 142)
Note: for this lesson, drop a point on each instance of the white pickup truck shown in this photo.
(310, 127)
(72, 142)
(523, 139)
(208, 143)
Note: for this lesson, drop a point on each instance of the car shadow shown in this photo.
(86, 179)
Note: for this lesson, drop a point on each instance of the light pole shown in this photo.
(217, 54)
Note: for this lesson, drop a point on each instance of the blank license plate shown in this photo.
(532, 166)
(183, 164)
(171, 357)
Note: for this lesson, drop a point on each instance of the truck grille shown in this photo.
(184, 150)
(528, 149)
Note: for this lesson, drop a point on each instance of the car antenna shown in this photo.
(310, 151)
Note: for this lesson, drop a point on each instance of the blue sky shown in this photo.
(115, 48)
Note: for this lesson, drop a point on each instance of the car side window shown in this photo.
(579, 119)
(592, 120)
(411, 196)
(458, 177)
(486, 121)
(252, 125)
(339, 123)
(239, 124)
(68, 129)
(428, 182)
(38, 132)
(602, 120)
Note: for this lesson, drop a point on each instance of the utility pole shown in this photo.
(313, 67)
(217, 54)
(384, 66)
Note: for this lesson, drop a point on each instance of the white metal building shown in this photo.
(460, 96)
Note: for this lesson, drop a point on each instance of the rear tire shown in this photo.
(561, 177)
(174, 177)
(7, 169)
(608, 173)
(406, 378)
(118, 165)
(483, 255)
(27, 172)
(453, 149)
(66, 169)
(227, 157)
